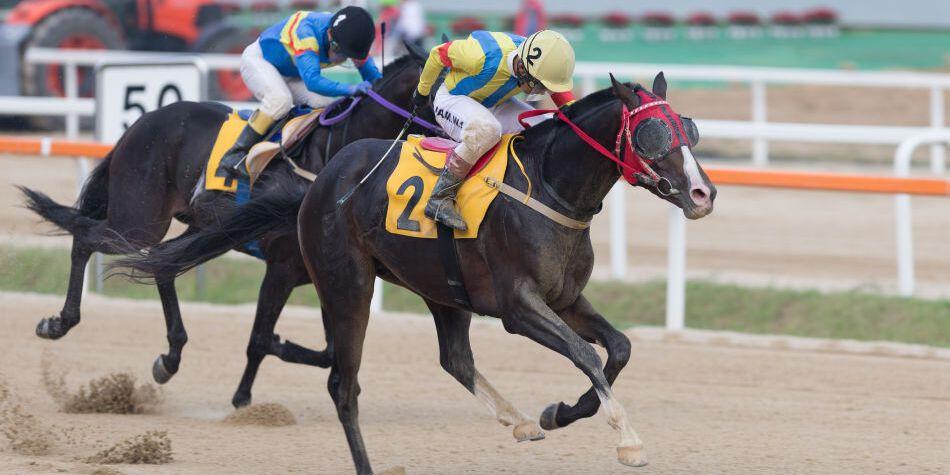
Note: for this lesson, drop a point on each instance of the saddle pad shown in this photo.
(259, 155)
(227, 135)
(414, 177)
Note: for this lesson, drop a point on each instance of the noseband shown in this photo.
(635, 169)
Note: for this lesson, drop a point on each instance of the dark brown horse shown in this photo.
(151, 176)
(523, 268)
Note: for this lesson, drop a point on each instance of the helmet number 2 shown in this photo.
(534, 54)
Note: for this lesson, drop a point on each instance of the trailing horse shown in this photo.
(151, 176)
(524, 267)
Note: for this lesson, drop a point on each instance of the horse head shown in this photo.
(656, 149)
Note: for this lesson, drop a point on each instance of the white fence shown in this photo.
(759, 130)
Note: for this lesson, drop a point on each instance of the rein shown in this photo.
(328, 121)
(638, 170)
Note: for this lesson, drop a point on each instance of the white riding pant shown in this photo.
(477, 128)
(277, 93)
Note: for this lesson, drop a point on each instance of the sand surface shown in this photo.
(698, 408)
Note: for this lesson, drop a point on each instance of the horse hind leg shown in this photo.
(85, 243)
(455, 356)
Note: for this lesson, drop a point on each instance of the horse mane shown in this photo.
(396, 64)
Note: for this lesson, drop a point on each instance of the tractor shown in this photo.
(205, 26)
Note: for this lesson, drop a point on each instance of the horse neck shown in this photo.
(574, 172)
(369, 119)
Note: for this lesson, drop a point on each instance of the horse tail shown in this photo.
(89, 210)
(274, 211)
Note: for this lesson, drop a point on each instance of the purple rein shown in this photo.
(325, 121)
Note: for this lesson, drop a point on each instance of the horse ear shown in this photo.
(624, 92)
(659, 85)
(445, 38)
(416, 52)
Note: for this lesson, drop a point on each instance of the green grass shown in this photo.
(855, 315)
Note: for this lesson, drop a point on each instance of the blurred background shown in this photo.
(824, 87)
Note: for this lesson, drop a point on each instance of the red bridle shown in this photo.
(633, 168)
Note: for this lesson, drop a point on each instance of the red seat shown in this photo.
(444, 145)
(438, 144)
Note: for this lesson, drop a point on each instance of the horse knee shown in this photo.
(619, 350)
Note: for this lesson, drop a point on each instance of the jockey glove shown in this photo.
(361, 88)
(419, 101)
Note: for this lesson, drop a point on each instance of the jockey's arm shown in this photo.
(308, 64)
(368, 70)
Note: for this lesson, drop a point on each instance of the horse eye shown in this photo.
(692, 132)
(653, 138)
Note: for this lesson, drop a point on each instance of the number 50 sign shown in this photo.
(127, 90)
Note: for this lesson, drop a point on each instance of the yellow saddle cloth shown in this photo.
(259, 155)
(411, 183)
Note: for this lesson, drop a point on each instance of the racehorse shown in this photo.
(523, 267)
(149, 178)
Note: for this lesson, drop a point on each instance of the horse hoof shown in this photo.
(50, 328)
(528, 430)
(548, 418)
(160, 373)
(240, 400)
(632, 456)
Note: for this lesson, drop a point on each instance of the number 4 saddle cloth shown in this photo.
(261, 154)
(420, 161)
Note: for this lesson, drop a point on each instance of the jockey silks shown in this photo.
(299, 48)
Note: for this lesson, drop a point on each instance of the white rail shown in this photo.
(758, 130)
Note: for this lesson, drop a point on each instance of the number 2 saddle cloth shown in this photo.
(420, 161)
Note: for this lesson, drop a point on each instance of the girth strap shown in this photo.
(450, 262)
(536, 205)
(300, 171)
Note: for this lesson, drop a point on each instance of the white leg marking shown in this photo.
(630, 449)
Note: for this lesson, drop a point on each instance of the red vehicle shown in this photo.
(144, 25)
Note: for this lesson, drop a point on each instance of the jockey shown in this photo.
(475, 104)
(283, 68)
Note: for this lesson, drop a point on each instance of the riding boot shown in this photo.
(232, 163)
(441, 206)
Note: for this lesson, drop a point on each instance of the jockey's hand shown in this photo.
(419, 101)
(361, 88)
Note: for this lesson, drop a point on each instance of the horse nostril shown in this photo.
(699, 195)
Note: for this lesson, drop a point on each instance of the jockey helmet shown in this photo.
(548, 58)
(353, 32)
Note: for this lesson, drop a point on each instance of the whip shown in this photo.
(402, 132)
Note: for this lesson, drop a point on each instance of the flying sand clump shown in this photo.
(25, 434)
(152, 447)
(115, 393)
(267, 414)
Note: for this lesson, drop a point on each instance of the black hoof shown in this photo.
(548, 419)
(51, 328)
(240, 400)
(160, 372)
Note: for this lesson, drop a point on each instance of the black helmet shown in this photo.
(353, 30)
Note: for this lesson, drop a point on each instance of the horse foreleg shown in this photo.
(455, 356)
(531, 317)
(594, 328)
(278, 283)
(56, 327)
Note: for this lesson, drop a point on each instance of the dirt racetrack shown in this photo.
(698, 408)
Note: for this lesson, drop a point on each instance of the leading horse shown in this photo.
(151, 177)
(523, 267)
